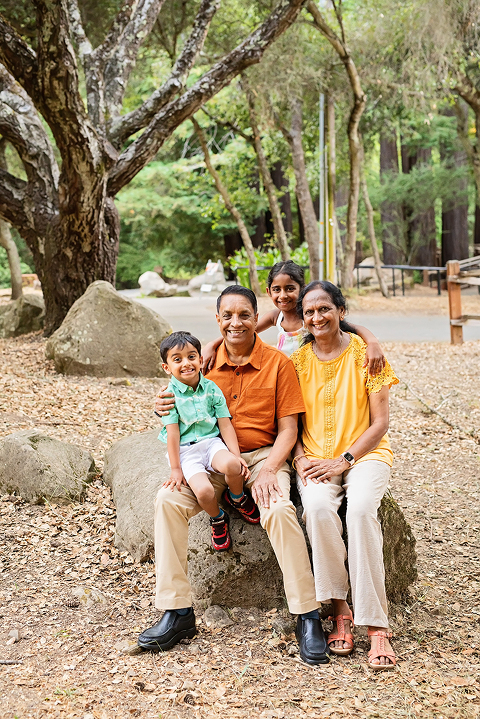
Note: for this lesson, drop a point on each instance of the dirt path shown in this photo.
(72, 663)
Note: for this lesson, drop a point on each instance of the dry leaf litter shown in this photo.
(71, 605)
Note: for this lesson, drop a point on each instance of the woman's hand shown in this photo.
(374, 358)
(301, 465)
(208, 355)
(176, 480)
(163, 403)
(322, 470)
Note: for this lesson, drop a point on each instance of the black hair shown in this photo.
(178, 339)
(238, 290)
(335, 295)
(290, 268)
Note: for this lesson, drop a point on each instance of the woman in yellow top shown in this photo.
(344, 450)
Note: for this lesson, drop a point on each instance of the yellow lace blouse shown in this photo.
(336, 401)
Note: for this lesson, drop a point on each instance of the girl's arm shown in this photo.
(267, 320)
(173, 448)
(374, 357)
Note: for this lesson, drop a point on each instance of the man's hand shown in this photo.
(175, 481)
(321, 470)
(163, 403)
(244, 471)
(266, 486)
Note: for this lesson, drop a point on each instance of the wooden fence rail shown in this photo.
(466, 272)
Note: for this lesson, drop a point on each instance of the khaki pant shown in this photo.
(174, 509)
(364, 484)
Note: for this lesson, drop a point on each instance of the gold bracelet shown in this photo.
(299, 456)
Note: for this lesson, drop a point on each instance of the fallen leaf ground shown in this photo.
(72, 661)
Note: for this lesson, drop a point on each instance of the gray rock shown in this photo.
(216, 617)
(249, 575)
(89, 596)
(246, 576)
(38, 467)
(107, 335)
(135, 468)
(283, 625)
(21, 316)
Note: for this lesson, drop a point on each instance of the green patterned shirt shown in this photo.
(196, 411)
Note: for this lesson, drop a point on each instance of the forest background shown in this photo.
(417, 67)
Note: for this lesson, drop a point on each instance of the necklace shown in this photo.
(314, 348)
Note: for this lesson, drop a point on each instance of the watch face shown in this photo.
(349, 457)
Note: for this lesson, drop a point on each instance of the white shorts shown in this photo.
(198, 457)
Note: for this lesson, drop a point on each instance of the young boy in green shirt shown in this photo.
(191, 431)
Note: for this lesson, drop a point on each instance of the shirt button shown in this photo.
(234, 396)
(237, 373)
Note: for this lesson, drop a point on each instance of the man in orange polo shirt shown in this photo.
(264, 399)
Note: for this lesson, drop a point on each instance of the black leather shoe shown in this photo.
(312, 641)
(171, 629)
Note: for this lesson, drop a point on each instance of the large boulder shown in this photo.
(38, 467)
(21, 316)
(153, 285)
(107, 335)
(249, 575)
(212, 280)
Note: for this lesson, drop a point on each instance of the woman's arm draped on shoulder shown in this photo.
(374, 357)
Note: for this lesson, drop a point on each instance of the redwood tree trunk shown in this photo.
(309, 223)
(391, 212)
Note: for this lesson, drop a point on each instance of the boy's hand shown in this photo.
(176, 480)
(163, 403)
(374, 358)
(244, 471)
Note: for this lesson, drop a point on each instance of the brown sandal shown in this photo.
(341, 636)
(381, 652)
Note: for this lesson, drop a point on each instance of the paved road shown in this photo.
(197, 315)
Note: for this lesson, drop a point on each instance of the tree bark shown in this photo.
(9, 245)
(302, 188)
(421, 233)
(371, 231)
(390, 212)
(222, 190)
(68, 217)
(281, 183)
(354, 145)
(280, 234)
(332, 178)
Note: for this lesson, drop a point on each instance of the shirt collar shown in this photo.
(184, 387)
(255, 359)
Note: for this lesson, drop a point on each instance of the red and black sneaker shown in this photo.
(246, 506)
(221, 539)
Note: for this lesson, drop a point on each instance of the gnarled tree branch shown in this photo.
(249, 52)
(21, 125)
(121, 60)
(127, 125)
(18, 57)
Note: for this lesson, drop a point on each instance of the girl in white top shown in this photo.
(285, 280)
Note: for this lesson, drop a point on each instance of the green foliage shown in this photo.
(266, 257)
(26, 260)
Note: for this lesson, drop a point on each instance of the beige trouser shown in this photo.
(364, 484)
(174, 509)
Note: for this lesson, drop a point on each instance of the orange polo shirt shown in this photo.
(258, 393)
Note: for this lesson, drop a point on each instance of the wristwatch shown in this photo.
(349, 457)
